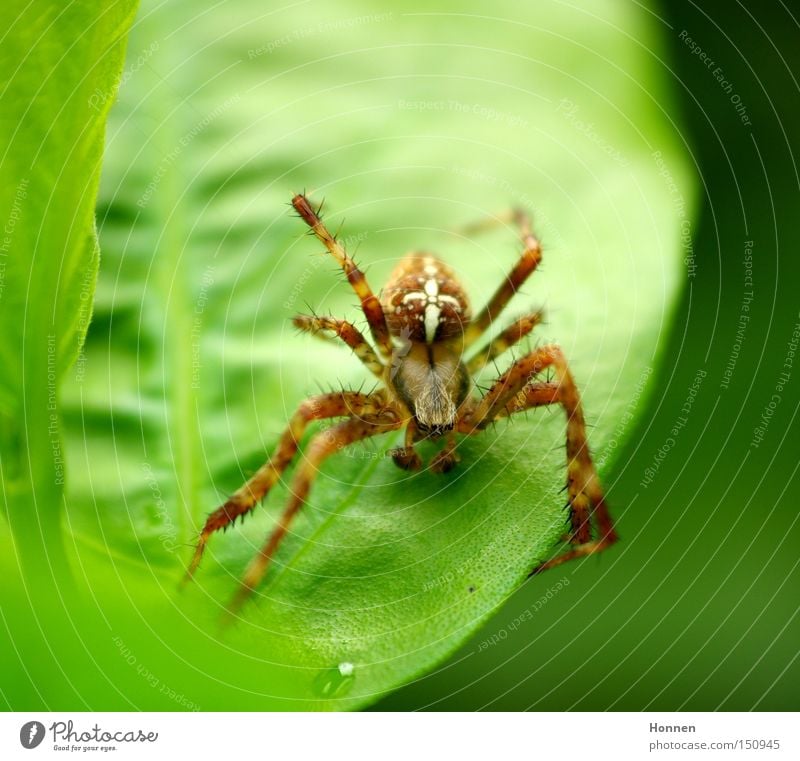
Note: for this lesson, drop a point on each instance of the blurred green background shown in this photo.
(417, 123)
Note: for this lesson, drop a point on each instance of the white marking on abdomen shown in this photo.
(452, 299)
(432, 287)
(433, 305)
(432, 313)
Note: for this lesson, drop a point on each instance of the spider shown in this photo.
(422, 327)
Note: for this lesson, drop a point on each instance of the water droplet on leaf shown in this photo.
(335, 682)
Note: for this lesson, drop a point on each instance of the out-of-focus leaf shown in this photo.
(59, 70)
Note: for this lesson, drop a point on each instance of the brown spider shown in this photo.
(422, 328)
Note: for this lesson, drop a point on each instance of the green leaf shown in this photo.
(410, 124)
(55, 61)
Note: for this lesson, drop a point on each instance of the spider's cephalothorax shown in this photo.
(425, 354)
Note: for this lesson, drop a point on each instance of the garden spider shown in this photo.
(421, 327)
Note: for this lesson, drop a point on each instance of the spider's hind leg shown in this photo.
(517, 390)
(322, 446)
(244, 499)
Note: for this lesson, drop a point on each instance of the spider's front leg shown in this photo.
(517, 390)
(338, 404)
(323, 445)
(527, 263)
(370, 304)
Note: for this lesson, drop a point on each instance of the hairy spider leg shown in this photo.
(512, 335)
(323, 327)
(516, 390)
(337, 404)
(526, 264)
(323, 445)
(537, 394)
(370, 304)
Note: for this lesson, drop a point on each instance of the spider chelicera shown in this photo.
(422, 328)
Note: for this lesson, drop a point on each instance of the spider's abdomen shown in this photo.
(424, 302)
